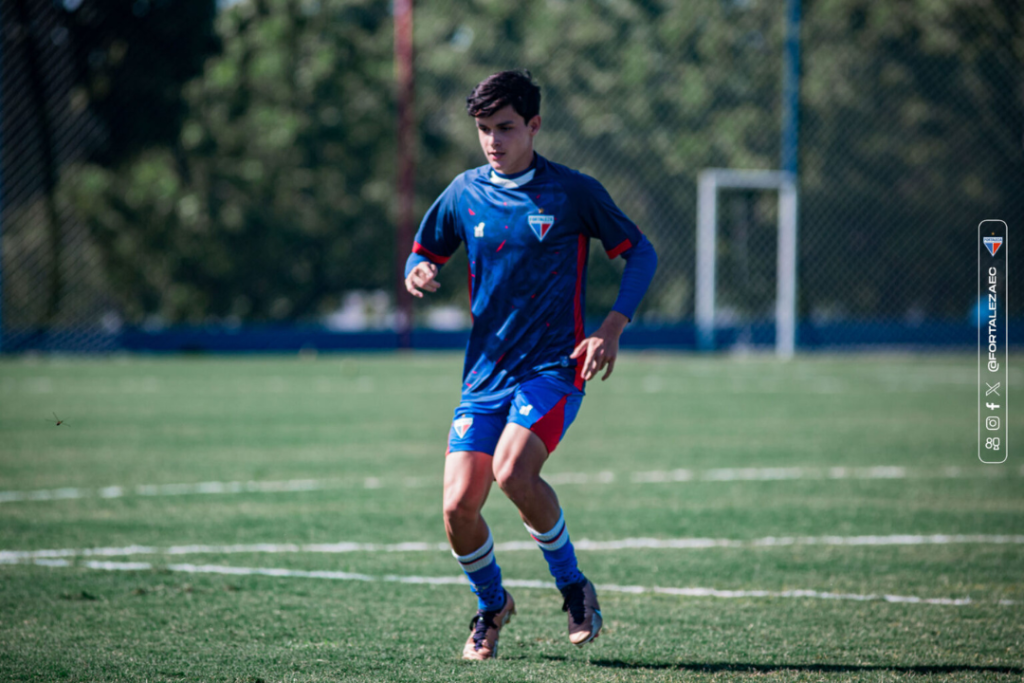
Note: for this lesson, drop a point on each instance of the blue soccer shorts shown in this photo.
(546, 405)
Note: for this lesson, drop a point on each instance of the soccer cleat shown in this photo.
(584, 612)
(484, 629)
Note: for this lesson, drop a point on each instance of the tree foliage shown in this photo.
(913, 123)
(275, 197)
(131, 60)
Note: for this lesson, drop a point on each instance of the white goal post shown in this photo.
(709, 182)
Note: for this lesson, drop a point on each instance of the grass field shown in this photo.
(862, 469)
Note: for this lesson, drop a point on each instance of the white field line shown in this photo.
(554, 478)
(695, 592)
(15, 556)
(791, 473)
(206, 487)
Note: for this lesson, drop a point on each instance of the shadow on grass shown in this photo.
(743, 667)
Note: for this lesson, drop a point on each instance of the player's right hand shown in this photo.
(422, 277)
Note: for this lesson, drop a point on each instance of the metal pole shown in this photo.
(785, 299)
(406, 152)
(791, 88)
(707, 216)
(785, 312)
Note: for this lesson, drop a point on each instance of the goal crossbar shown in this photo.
(709, 182)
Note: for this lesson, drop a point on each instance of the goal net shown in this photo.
(745, 290)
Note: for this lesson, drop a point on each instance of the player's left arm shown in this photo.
(600, 349)
(620, 237)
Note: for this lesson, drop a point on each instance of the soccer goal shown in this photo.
(710, 181)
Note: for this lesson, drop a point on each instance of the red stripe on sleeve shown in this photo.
(418, 248)
(625, 245)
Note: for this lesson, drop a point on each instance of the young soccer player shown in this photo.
(527, 224)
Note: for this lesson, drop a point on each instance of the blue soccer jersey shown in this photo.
(527, 238)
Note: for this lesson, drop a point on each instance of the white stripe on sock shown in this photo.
(479, 558)
(554, 539)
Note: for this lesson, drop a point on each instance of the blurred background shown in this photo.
(202, 175)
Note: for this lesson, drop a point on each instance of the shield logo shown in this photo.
(991, 243)
(541, 225)
(462, 425)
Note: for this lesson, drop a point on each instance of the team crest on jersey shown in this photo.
(541, 225)
(992, 244)
(462, 425)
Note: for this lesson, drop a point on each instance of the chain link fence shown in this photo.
(52, 276)
(170, 163)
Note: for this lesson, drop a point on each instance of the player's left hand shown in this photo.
(600, 349)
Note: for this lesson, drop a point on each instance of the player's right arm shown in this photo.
(436, 240)
(421, 277)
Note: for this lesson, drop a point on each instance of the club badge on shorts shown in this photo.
(462, 425)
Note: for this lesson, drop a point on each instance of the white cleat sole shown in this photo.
(595, 629)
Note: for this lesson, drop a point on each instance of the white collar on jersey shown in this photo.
(518, 181)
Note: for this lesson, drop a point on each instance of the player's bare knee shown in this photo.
(515, 484)
(460, 510)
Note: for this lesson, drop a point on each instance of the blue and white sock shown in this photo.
(484, 575)
(559, 553)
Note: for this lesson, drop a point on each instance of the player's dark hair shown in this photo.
(514, 88)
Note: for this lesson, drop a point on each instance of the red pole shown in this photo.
(406, 151)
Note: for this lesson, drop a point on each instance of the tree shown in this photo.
(83, 80)
(130, 61)
(912, 137)
(274, 199)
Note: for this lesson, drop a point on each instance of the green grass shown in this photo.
(340, 420)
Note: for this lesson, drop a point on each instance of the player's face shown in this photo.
(507, 140)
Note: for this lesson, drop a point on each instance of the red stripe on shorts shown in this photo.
(550, 427)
